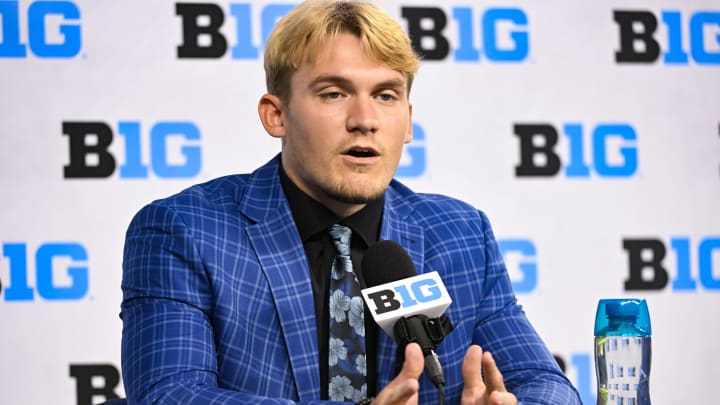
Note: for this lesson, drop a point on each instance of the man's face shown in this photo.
(344, 126)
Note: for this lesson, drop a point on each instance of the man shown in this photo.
(226, 284)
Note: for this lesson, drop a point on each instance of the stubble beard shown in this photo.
(348, 198)
(355, 193)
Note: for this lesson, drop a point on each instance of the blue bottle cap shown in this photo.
(622, 317)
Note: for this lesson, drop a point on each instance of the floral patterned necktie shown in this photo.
(347, 371)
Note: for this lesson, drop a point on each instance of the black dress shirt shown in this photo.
(313, 221)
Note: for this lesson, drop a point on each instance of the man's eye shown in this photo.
(387, 97)
(333, 95)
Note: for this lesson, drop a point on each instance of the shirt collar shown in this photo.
(311, 217)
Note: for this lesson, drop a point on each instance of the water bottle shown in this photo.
(622, 352)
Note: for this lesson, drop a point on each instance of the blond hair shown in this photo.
(299, 36)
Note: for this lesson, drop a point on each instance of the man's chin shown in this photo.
(346, 196)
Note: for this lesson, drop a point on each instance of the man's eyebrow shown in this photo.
(330, 79)
(394, 84)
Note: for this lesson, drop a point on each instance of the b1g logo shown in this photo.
(47, 272)
(503, 38)
(612, 147)
(414, 160)
(502, 33)
(201, 23)
(639, 39)
(422, 294)
(95, 380)
(46, 37)
(405, 295)
(520, 257)
(90, 156)
(647, 271)
(583, 366)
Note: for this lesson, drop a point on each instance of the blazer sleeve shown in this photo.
(168, 344)
(529, 369)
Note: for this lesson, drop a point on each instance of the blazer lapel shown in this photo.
(395, 227)
(282, 257)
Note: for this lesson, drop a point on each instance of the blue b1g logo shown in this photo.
(695, 261)
(520, 256)
(640, 43)
(583, 368)
(501, 32)
(612, 148)
(422, 294)
(421, 291)
(46, 255)
(90, 156)
(45, 38)
(414, 160)
(204, 21)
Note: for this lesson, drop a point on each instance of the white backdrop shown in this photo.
(645, 137)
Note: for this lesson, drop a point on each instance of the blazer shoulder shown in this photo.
(429, 206)
(214, 200)
(219, 191)
(253, 196)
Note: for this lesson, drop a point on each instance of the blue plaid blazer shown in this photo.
(218, 306)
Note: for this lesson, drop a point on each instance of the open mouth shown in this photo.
(361, 152)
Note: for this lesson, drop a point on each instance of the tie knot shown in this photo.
(341, 237)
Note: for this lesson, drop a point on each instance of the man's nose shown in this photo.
(362, 116)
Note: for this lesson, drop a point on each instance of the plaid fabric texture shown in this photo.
(218, 306)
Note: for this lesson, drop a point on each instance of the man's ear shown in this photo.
(409, 134)
(270, 109)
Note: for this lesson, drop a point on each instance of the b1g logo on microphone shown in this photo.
(60, 272)
(53, 29)
(612, 148)
(648, 271)
(501, 33)
(423, 294)
(173, 146)
(639, 42)
(414, 160)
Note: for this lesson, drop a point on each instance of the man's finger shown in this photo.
(472, 375)
(493, 376)
(405, 387)
(414, 361)
(502, 398)
(471, 370)
(406, 384)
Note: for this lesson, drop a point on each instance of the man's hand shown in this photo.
(491, 390)
(404, 389)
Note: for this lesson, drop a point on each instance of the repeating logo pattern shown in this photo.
(46, 45)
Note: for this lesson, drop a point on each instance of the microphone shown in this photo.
(406, 306)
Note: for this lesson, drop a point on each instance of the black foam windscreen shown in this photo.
(386, 261)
